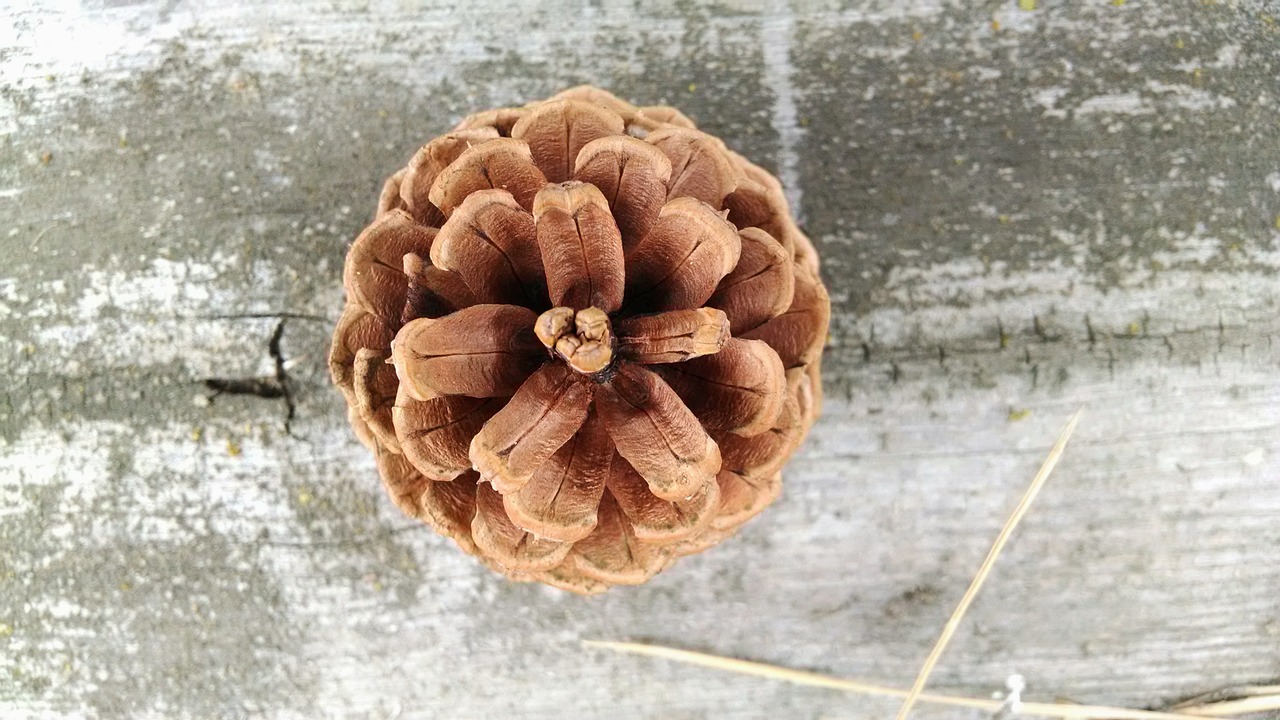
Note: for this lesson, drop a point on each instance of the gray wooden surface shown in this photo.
(1021, 212)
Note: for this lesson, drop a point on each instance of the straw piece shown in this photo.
(1002, 539)
(812, 679)
(1243, 700)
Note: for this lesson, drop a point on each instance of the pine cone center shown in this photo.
(584, 340)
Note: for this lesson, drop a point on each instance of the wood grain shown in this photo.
(1020, 212)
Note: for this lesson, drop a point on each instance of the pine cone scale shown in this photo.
(560, 500)
(633, 176)
(581, 247)
(762, 285)
(740, 389)
(673, 336)
(433, 434)
(481, 351)
(678, 265)
(490, 241)
(657, 434)
(374, 268)
(500, 164)
(557, 130)
(548, 409)
(653, 519)
(432, 292)
(508, 544)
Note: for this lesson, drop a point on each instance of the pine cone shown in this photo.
(582, 338)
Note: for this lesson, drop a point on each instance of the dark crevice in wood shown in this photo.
(274, 387)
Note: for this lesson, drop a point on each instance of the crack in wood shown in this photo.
(273, 387)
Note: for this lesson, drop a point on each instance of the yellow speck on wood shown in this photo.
(46, 158)
(125, 586)
(1026, 4)
(1134, 328)
(5, 630)
(1179, 44)
(1004, 219)
(196, 434)
(917, 36)
(1117, 3)
(233, 448)
(995, 25)
(1278, 222)
(1004, 340)
(693, 87)
(305, 497)
(1016, 414)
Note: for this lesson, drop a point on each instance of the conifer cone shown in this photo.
(582, 338)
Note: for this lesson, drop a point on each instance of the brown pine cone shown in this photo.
(582, 338)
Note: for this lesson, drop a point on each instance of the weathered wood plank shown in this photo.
(1020, 213)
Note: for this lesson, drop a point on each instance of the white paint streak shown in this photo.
(1129, 103)
(778, 31)
(870, 13)
(1013, 18)
(1189, 98)
(167, 314)
(1048, 99)
(1228, 57)
(60, 38)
